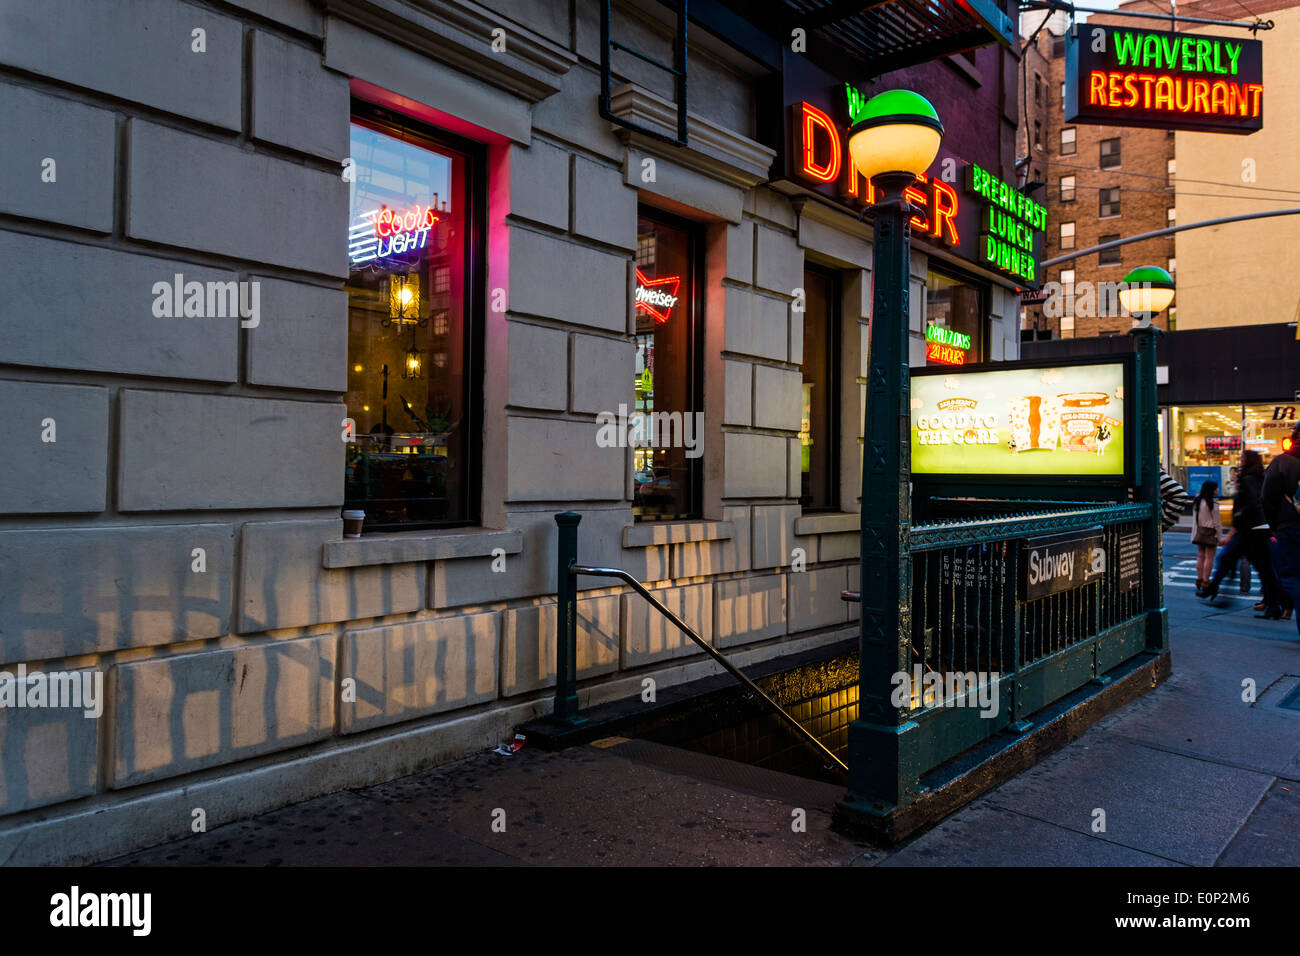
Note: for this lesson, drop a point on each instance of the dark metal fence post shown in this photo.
(566, 619)
(1148, 490)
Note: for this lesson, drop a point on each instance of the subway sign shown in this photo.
(1119, 76)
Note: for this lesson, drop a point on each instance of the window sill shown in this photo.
(404, 547)
(831, 523)
(650, 533)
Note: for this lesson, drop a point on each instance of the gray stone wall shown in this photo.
(177, 532)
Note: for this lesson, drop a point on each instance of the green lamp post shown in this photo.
(894, 138)
(1147, 292)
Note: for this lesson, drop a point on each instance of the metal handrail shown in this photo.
(626, 578)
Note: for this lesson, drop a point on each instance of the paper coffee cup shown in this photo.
(352, 522)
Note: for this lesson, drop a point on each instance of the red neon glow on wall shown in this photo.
(813, 118)
(656, 297)
(944, 354)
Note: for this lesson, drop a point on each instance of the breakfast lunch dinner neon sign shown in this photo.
(382, 233)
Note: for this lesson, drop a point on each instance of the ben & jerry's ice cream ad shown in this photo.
(1054, 421)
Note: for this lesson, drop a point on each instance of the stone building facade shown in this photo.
(172, 508)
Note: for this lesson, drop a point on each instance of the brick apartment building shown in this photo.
(1102, 183)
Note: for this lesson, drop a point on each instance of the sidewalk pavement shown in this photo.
(1190, 774)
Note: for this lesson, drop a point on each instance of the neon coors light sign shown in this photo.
(384, 233)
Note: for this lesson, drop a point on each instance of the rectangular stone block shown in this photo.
(601, 372)
(145, 54)
(296, 101)
(738, 390)
(358, 52)
(773, 535)
(568, 116)
(296, 14)
(74, 591)
(120, 334)
(738, 549)
(648, 636)
(181, 714)
(683, 185)
(795, 463)
(841, 547)
(196, 193)
(51, 754)
(796, 338)
(282, 583)
(755, 465)
(182, 451)
(531, 572)
(778, 397)
(48, 136)
(528, 643)
(406, 671)
(814, 598)
(539, 183)
(539, 362)
(749, 609)
(740, 252)
(604, 208)
(542, 269)
(56, 441)
(552, 460)
(301, 339)
(756, 324)
(778, 261)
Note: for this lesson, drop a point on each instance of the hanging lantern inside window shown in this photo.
(404, 301)
(413, 367)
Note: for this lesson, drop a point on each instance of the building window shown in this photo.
(1062, 97)
(1038, 135)
(957, 306)
(1067, 189)
(1169, 173)
(1058, 47)
(1109, 257)
(1067, 283)
(1067, 326)
(1173, 265)
(1108, 202)
(1109, 153)
(668, 384)
(1172, 214)
(414, 305)
(1067, 235)
(818, 425)
(1067, 141)
(1038, 89)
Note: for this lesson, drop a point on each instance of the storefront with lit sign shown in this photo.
(411, 462)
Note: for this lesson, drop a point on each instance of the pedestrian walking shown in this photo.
(1249, 539)
(1281, 481)
(1205, 533)
(1174, 501)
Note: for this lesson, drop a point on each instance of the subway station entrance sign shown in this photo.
(1119, 76)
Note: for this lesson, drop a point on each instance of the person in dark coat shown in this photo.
(1250, 538)
(1281, 484)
